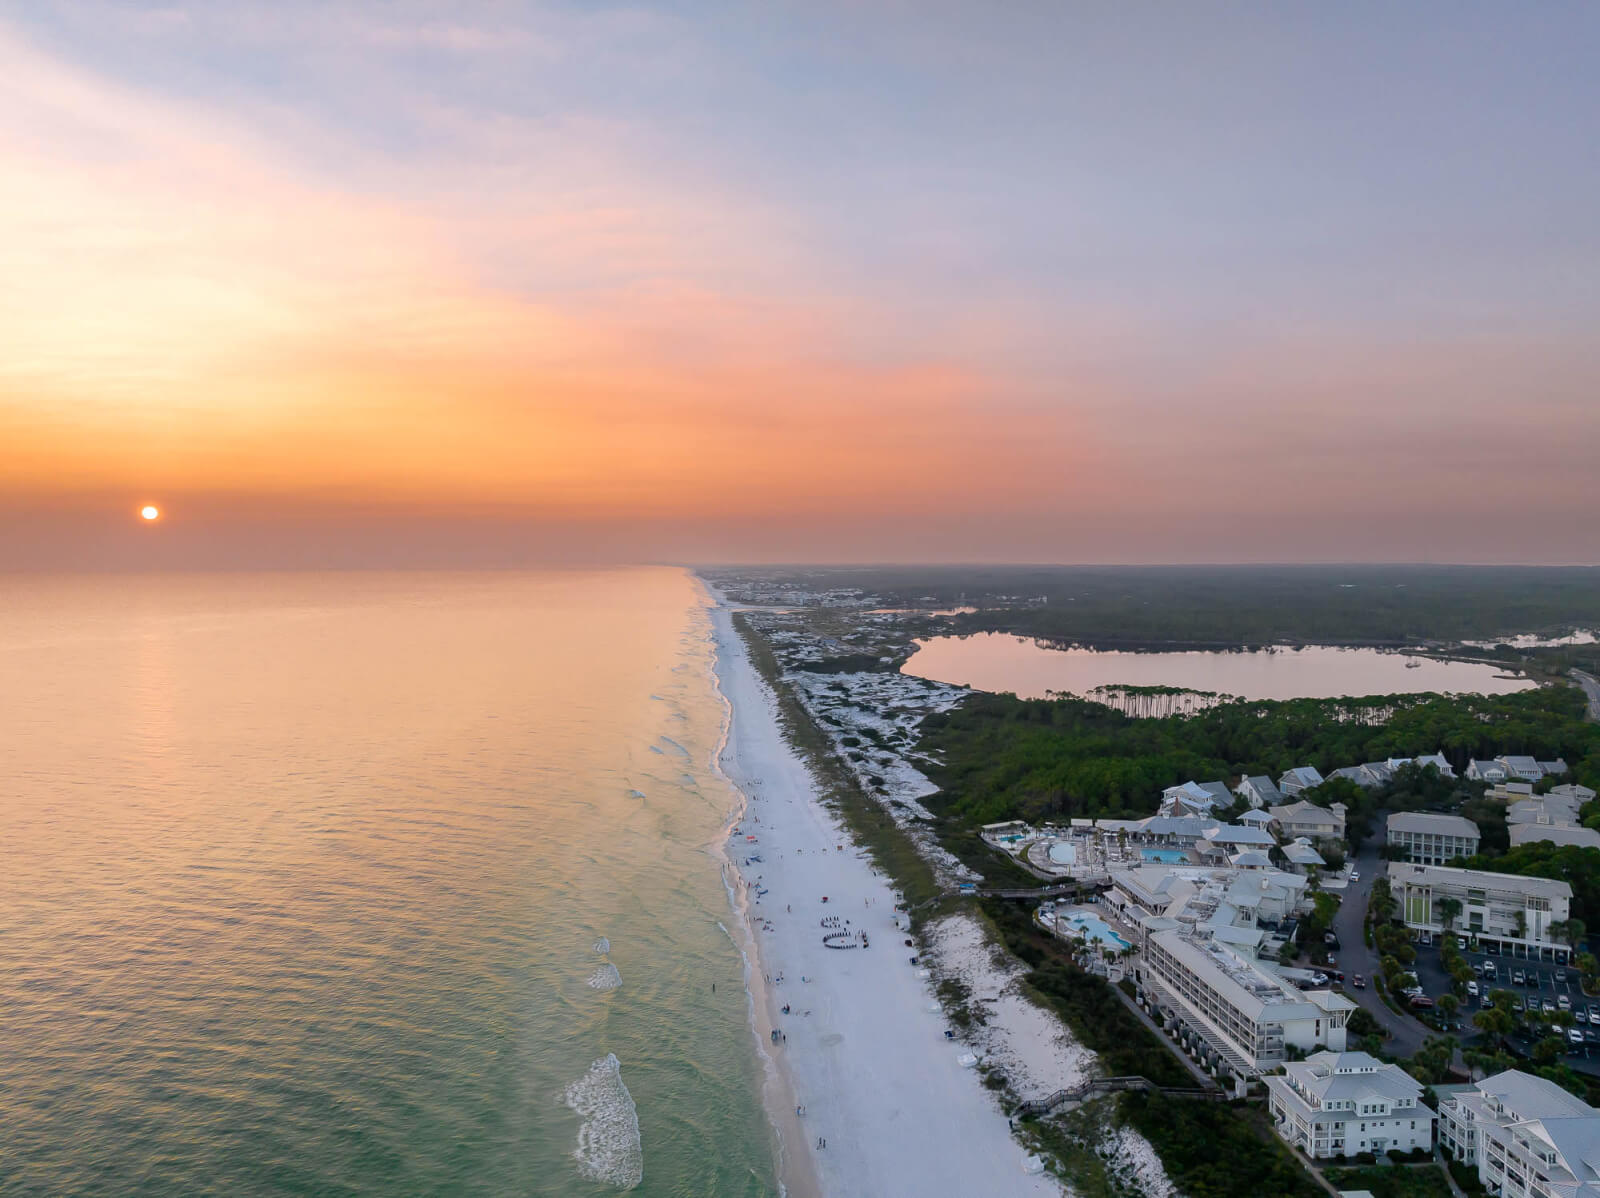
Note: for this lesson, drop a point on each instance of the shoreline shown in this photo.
(796, 1173)
(891, 1105)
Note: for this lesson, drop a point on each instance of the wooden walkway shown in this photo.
(1111, 1085)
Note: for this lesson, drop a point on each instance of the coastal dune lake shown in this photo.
(345, 884)
(996, 661)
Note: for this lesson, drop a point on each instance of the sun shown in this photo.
(150, 512)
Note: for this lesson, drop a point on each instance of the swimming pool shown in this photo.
(1165, 856)
(1095, 929)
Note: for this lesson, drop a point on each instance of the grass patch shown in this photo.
(1071, 1140)
(1388, 1181)
(1218, 1150)
(869, 824)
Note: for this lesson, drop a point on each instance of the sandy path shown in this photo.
(879, 1082)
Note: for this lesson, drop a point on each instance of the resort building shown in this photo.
(1525, 1136)
(1259, 791)
(1553, 817)
(1205, 896)
(1342, 1103)
(1302, 777)
(1310, 821)
(1245, 1014)
(1510, 912)
(1430, 839)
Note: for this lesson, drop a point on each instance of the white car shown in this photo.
(1472, 989)
(1355, 875)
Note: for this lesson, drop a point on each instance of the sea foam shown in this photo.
(602, 945)
(609, 1149)
(605, 978)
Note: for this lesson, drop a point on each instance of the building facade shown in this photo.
(1341, 1103)
(1241, 1008)
(1430, 839)
(1508, 911)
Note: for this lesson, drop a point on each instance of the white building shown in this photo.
(1302, 777)
(1430, 839)
(1309, 820)
(1342, 1103)
(1245, 1013)
(1527, 1137)
(1513, 912)
(1195, 798)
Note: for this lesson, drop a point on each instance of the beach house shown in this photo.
(1525, 1136)
(1259, 791)
(1302, 777)
(1310, 821)
(1341, 1103)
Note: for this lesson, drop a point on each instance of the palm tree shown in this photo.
(1449, 912)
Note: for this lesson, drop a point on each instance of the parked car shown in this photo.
(1594, 1015)
(1421, 1002)
(1477, 968)
(1579, 1015)
(1564, 1002)
(1490, 969)
(1472, 989)
(1518, 977)
(1355, 875)
(1561, 975)
(1548, 1007)
(1574, 1036)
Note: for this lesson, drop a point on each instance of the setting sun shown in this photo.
(150, 512)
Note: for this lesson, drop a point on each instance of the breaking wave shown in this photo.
(609, 1149)
(602, 945)
(605, 978)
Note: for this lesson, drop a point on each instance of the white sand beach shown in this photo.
(889, 1109)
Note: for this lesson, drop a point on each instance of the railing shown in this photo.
(1107, 1085)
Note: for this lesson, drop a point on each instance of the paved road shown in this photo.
(1591, 688)
(1406, 1034)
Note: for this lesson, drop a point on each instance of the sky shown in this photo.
(482, 283)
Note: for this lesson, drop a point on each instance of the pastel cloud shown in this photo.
(503, 298)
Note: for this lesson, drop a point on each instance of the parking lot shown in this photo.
(1544, 986)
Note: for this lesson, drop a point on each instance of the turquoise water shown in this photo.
(1166, 856)
(305, 875)
(1095, 929)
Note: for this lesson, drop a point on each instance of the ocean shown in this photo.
(368, 883)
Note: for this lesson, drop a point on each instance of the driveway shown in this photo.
(1406, 1034)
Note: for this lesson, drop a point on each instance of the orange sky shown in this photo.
(291, 324)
